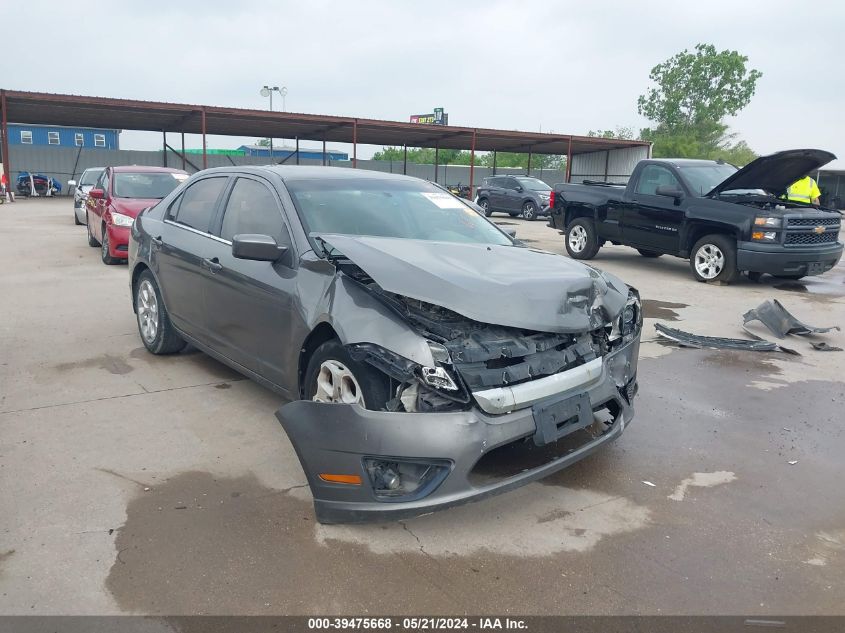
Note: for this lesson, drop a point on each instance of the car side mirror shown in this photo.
(670, 191)
(518, 189)
(71, 183)
(260, 248)
(97, 194)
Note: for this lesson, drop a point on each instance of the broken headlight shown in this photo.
(630, 321)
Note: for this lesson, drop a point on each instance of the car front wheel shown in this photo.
(334, 377)
(105, 253)
(529, 210)
(157, 333)
(714, 259)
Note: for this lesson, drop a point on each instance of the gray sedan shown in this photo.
(430, 360)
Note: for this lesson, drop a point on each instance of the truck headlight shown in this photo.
(118, 219)
(764, 236)
(772, 222)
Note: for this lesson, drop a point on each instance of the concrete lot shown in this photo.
(164, 485)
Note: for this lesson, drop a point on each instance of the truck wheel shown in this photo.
(714, 259)
(485, 206)
(645, 253)
(581, 241)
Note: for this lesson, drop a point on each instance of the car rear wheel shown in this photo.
(714, 259)
(157, 333)
(91, 239)
(105, 255)
(334, 377)
(485, 206)
(581, 240)
(529, 210)
(646, 253)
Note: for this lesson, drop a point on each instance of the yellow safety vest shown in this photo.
(804, 190)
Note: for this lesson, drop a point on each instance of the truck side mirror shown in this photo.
(670, 191)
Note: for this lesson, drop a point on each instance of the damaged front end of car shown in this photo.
(497, 407)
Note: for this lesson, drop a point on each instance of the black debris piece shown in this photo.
(774, 316)
(821, 346)
(714, 342)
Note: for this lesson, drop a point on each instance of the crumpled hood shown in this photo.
(132, 206)
(775, 172)
(502, 285)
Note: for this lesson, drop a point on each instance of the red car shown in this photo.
(119, 195)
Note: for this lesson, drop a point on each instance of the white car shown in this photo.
(86, 182)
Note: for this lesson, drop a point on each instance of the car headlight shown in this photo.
(118, 219)
(768, 222)
(764, 236)
(628, 324)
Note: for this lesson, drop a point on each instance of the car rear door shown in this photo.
(249, 302)
(180, 252)
(511, 195)
(653, 222)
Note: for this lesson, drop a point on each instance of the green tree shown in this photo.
(693, 94)
(263, 142)
(625, 133)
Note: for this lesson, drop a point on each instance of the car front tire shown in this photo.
(333, 376)
(713, 258)
(154, 326)
(105, 253)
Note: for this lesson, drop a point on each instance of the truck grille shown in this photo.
(812, 222)
(811, 238)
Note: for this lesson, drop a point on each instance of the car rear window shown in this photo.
(146, 184)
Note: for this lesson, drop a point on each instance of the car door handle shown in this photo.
(212, 264)
(157, 241)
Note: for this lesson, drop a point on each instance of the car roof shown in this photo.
(308, 172)
(147, 169)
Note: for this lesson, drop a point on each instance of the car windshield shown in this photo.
(146, 184)
(702, 178)
(534, 184)
(389, 208)
(90, 177)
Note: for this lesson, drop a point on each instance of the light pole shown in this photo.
(267, 91)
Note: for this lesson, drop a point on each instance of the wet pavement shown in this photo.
(164, 485)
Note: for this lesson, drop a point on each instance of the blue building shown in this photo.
(87, 137)
(285, 152)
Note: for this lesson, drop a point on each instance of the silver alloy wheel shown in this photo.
(577, 238)
(336, 384)
(528, 210)
(709, 261)
(146, 304)
(483, 204)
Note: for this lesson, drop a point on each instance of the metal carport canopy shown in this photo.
(125, 114)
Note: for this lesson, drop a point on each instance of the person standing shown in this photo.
(805, 190)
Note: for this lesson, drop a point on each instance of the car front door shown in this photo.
(180, 254)
(653, 222)
(249, 302)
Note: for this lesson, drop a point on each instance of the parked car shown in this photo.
(29, 184)
(723, 219)
(515, 195)
(426, 354)
(119, 194)
(86, 181)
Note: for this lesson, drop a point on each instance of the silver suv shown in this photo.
(86, 182)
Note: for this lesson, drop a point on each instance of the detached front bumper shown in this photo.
(335, 438)
(777, 259)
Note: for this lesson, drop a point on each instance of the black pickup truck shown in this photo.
(723, 219)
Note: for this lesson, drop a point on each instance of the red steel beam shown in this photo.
(4, 130)
(472, 164)
(355, 144)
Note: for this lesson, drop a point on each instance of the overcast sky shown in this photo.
(562, 66)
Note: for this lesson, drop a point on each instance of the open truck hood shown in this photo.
(502, 285)
(775, 172)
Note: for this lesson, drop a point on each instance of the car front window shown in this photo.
(703, 178)
(389, 208)
(148, 185)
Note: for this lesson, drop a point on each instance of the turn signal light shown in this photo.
(552, 198)
(354, 480)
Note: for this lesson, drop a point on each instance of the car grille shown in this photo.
(811, 238)
(812, 222)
